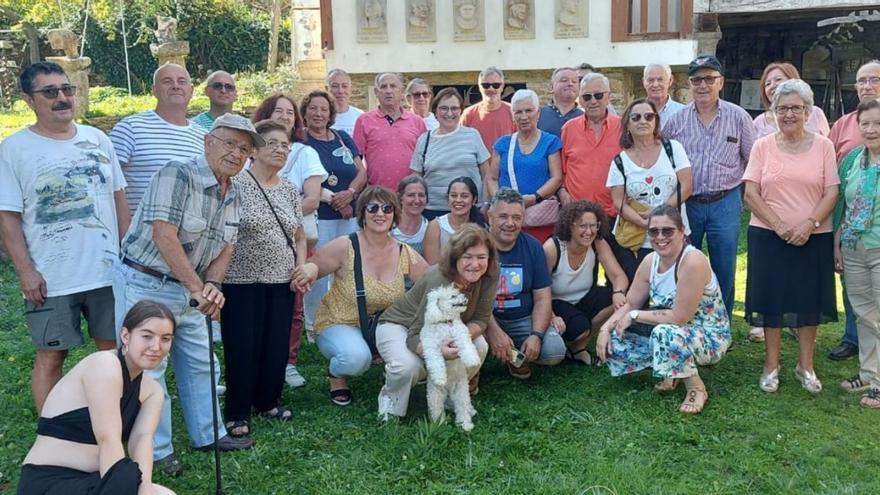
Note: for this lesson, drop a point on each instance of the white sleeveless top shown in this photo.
(415, 241)
(572, 285)
(663, 284)
(446, 229)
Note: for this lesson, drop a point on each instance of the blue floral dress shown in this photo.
(674, 351)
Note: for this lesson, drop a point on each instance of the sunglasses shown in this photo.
(52, 92)
(373, 208)
(598, 96)
(491, 85)
(421, 94)
(636, 117)
(699, 81)
(219, 86)
(655, 232)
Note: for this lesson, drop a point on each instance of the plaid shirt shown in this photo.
(187, 195)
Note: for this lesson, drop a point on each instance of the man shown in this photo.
(584, 69)
(177, 250)
(521, 318)
(386, 136)
(718, 137)
(62, 213)
(657, 80)
(339, 86)
(492, 117)
(146, 141)
(221, 92)
(846, 136)
(564, 106)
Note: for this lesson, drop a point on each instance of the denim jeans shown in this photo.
(346, 349)
(552, 349)
(327, 231)
(719, 223)
(189, 353)
(850, 329)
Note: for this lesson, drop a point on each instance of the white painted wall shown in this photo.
(735, 6)
(445, 55)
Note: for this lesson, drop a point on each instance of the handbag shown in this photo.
(368, 322)
(540, 214)
(287, 238)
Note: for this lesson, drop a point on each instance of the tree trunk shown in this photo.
(273, 36)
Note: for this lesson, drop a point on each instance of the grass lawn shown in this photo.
(568, 430)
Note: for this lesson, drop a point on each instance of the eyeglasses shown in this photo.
(373, 208)
(273, 144)
(655, 232)
(636, 117)
(598, 96)
(795, 109)
(445, 109)
(219, 86)
(589, 226)
(866, 81)
(422, 94)
(491, 85)
(699, 81)
(230, 145)
(51, 92)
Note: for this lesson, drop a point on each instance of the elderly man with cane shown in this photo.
(177, 250)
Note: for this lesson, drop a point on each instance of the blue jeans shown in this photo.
(327, 231)
(718, 222)
(552, 349)
(850, 330)
(189, 353)
(346, 349)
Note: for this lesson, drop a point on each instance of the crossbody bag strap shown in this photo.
(275, 214)
(618, 162)
(667, 146)
(425, 150)
(360, 292)
(510, 150)
(558, 252)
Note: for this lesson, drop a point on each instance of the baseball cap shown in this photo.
(704, 62)
(237, 122)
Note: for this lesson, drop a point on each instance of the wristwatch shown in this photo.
(538, 197)
(634, 315)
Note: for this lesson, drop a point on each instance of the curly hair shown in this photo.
(267, 108)
(571, 213)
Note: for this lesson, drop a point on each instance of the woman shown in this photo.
(573, 257)
(461, 196)
(385, 263)
(528, 160)
(258, 289)
(765, 124)
(650, 175)
(469, 262)
(790, 187)
(856, 239)
(685, 323)
(447, 152)
(305, 171)
(103, 401)
(412, 192)
(418, 97)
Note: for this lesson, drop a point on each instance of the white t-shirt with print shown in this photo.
(651, 186)
(302, 162)
(64, 191)
(345, 121)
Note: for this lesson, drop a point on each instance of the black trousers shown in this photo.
(256, 330)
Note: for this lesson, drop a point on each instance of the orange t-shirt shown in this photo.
(490, 124)
(792, 184)
(587, 158)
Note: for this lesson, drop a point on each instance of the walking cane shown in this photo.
(217, 475)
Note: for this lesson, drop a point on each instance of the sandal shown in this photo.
(169, 465)
(590, 360)
(341, 396)
(667, 385)
(872, 398)
(690, 404)
(234, 428)
(281, 413)
(855, 384)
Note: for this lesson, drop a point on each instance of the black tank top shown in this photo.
(76, 425)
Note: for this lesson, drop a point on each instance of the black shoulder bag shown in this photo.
(367, 321)
(272, 208)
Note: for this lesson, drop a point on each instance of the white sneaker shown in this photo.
(292, 377)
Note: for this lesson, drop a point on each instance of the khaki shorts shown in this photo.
(55, 325)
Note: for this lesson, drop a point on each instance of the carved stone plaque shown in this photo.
(421, 21)
(372, 23)
(468, 20)
(572, 18)
(519, 19)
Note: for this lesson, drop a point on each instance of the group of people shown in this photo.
(321, 218)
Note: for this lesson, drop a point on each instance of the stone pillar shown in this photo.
(707, 33)
(168, 48)
(312, 75)
(76, 67)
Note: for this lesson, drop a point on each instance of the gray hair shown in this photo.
(506, 195)
(794, 87)
(869, 62)
(167, 64)
(525, 94)
(666, 70)
(382, 75)
(417, 82)
(592, 76)
(211, 76)
(559, 71)
(337, 72)
(489, 71)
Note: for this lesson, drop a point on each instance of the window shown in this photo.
(634, 20)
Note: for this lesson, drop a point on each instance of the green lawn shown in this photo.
(568, 430)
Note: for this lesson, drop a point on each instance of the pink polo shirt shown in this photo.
(845, 135)
(387, 147)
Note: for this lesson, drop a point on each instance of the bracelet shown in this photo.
(623, 292)
(538, 334)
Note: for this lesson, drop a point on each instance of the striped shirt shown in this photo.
(447, 156)
(719, 153)
(145, 142)
(185, 194)
(204, 120)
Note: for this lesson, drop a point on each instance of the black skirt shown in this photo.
(789, 286)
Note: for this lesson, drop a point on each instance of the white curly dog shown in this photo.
(448, 378)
